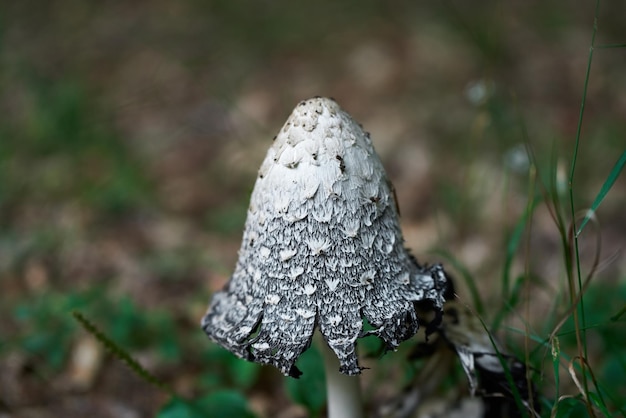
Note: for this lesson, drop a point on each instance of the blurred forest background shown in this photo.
(130, 137)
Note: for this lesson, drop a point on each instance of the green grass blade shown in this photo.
(511, 249)
(581, 336)
(599, 403)
(512, 246)
(555, 349)
(618, 315)
(120, 353)
(615, 173)
(507, 372)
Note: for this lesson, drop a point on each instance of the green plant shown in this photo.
(310, 389)
(47, 331)
(218, 403)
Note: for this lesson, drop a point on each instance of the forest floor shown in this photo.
(131, 135)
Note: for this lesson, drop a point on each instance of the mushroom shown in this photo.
(322, 248)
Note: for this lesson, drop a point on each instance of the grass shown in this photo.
(592, 396)
(577, 319)
(91, 219)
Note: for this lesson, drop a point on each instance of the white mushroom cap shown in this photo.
(322, 247)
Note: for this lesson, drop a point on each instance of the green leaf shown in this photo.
(615, 172)
(225, 403)
(310, 389)
(179, 408)
(571, 408)
(244, 373)
(227, 370)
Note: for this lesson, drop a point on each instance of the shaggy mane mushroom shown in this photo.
(322, 248)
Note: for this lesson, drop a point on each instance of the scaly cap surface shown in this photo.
(322, 247)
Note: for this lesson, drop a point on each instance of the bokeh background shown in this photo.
(130, 137)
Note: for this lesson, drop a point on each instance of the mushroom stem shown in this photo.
(343, 392)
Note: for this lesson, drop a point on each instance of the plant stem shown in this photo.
(343, 392)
